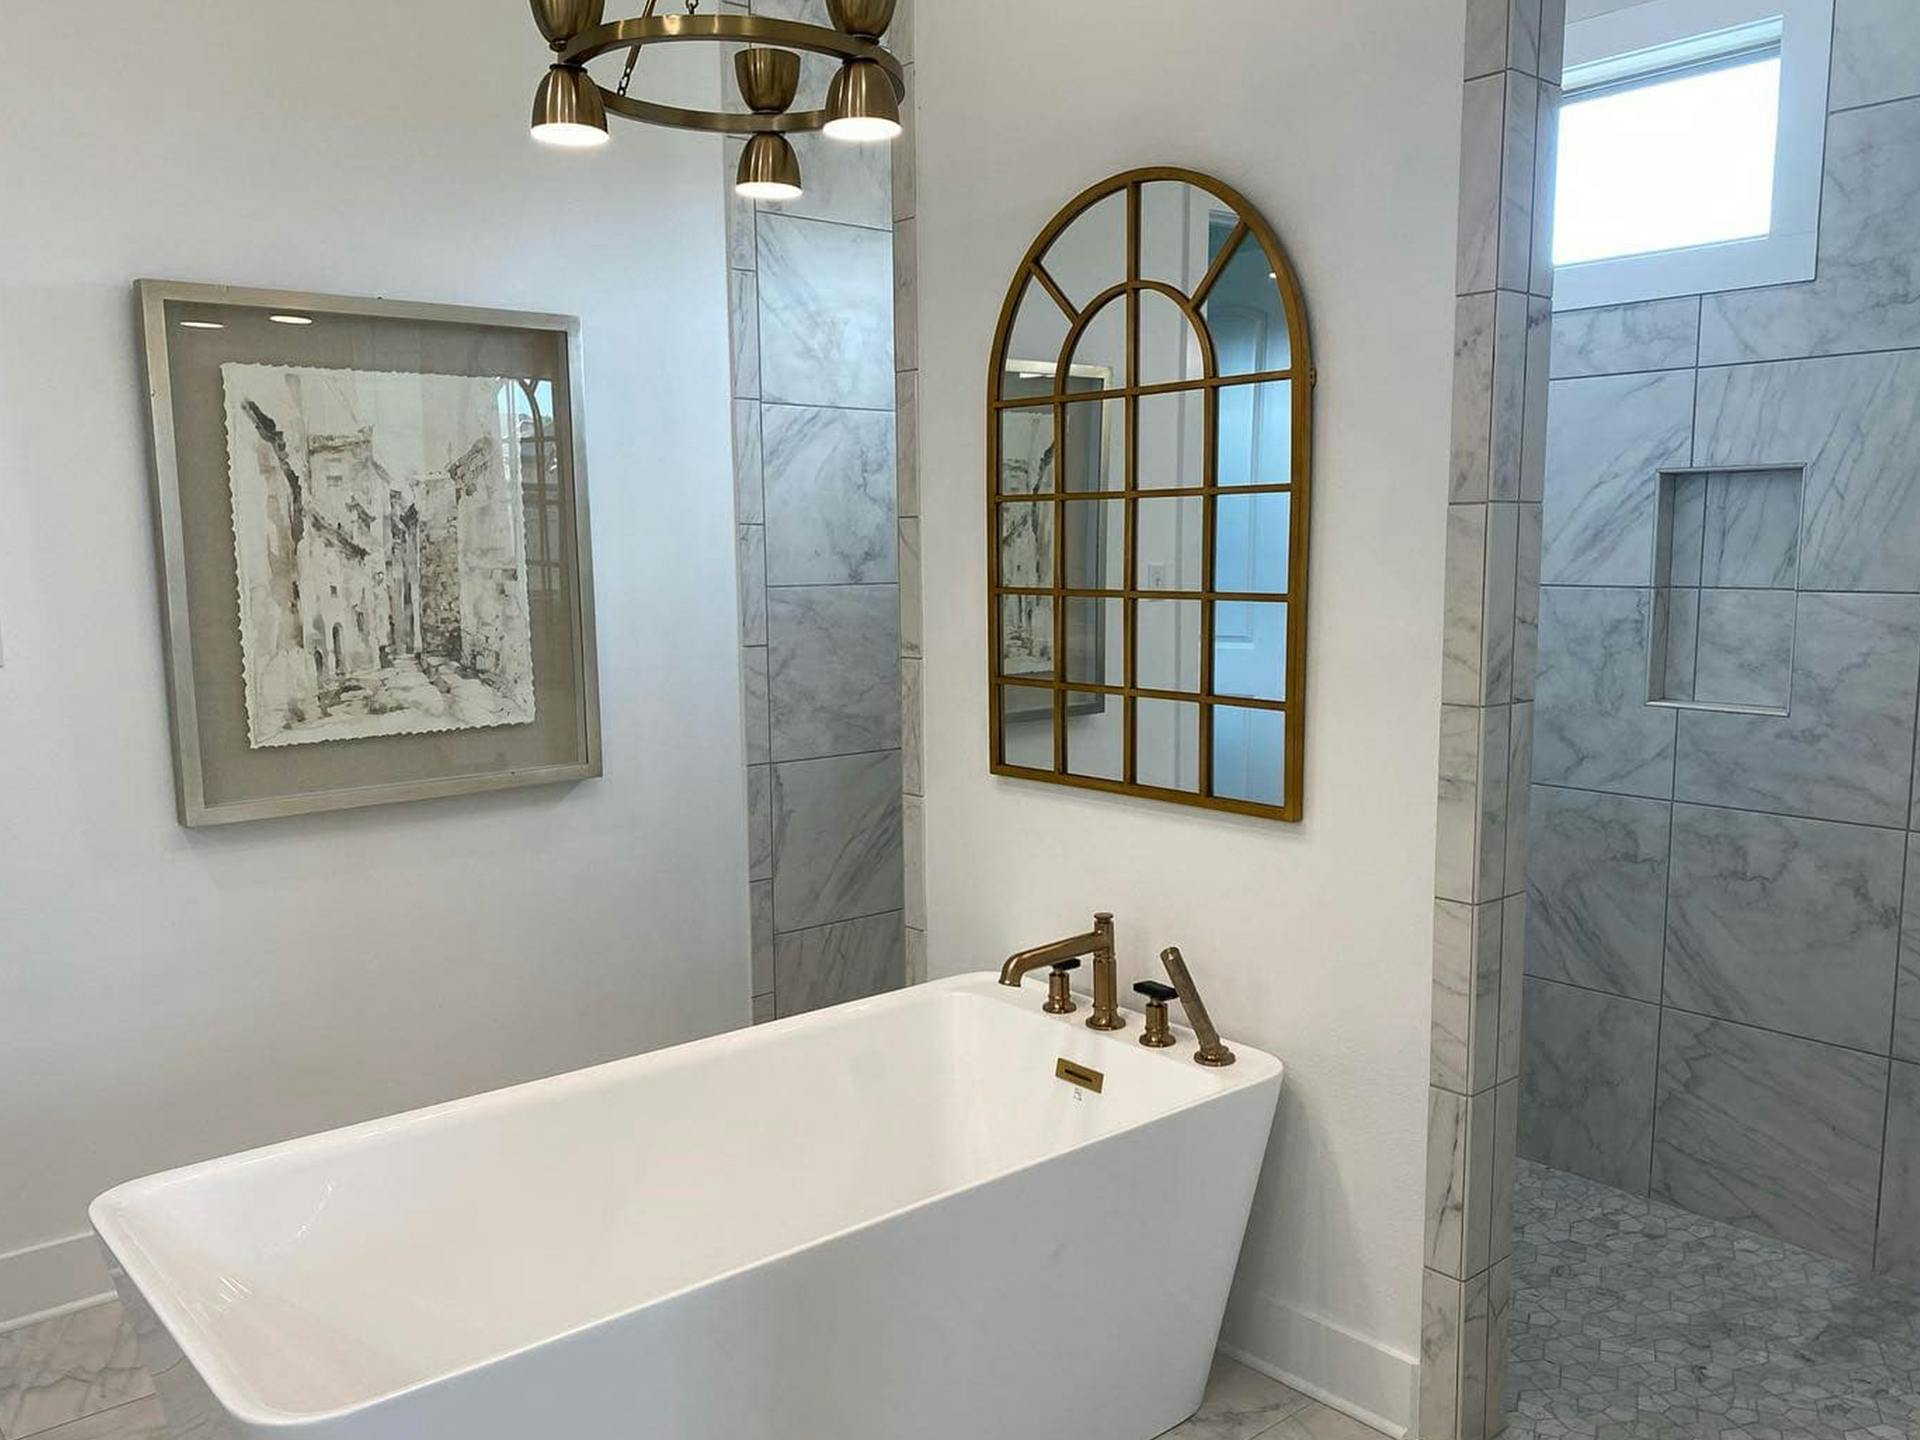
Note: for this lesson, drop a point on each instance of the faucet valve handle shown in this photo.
(1059, 993)
(1159, 1033)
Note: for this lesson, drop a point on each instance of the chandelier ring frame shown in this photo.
(637, 33)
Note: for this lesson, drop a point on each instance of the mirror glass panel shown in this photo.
(1250, 649)
(1247, 750)
(1168, 644)
(1026, 636)
(1096, 735)
(1245, 310)
(1172, 439)
(1039, 330)
(1256, 434)
(1096, 645)
(1167, 743)
(1169, 531)
(1089, 256)
(1149, 499)
(1026, 725)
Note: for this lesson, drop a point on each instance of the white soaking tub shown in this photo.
(890, 1220)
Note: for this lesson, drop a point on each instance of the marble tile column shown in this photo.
(814, 419)
(1502, 338)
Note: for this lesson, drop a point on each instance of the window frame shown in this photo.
(1787, 253)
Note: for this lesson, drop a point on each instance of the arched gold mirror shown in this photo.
(1150, 407)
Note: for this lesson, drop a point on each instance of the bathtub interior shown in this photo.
(328, 1273)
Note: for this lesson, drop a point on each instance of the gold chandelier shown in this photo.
(863, 103)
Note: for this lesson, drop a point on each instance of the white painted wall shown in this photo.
(168, 995)
(1342, 123)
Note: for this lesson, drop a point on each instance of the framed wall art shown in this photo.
(374, 552)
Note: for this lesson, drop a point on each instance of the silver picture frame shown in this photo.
(394, 768)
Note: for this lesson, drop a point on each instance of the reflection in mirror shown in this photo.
(1171, 435)
(1039, 330)
(1026, 725)
(1168, 535)
(1102, 345)
(1026, 450)
(1250, 649)
(1096, 642)
(1090, 255)
(1169, 346)
(1251, 535)
(1176, 232)
(1096, 544)
(1249, 750)
(1167, 645)
(1026, 635)
(1167, 743)
(1096, 456)
(1096, 735)
(1026, 544)
(1244, 309)
(1256, 434)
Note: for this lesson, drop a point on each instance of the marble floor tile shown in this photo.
(1597, 890)
(1636, 1319)
(66, 1369)
(1607, 439)
(1867, 293)
(1793, 925)
(1854, 422)
(1845, 749)
(1315, 1421)
(1587, 1082)
(1240, 1404)
(137, 1420)
(1592, 726)
(1771, 1133)
(836, 963)
(1622, 339)
(836, 839)
(829, 495)
(834, 657)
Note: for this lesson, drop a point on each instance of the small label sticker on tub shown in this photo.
(1084, 1076)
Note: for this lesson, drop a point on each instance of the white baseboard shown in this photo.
(51, 1278)
(1373, 1382)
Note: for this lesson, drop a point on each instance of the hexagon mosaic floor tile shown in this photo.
(1633, 1320)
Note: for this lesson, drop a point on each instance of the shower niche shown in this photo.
(1726, 571)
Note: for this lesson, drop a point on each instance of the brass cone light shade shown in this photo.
(769, 170)
(567, 109)
(572, 107)
(861, 104)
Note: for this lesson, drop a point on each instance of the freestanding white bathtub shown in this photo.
(889, 1219)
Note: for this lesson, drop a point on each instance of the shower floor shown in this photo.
(1635, 1319)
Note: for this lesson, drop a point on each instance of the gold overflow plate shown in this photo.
(1083, 1076)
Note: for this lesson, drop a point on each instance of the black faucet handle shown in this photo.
(1060, 967)
(1154, 990)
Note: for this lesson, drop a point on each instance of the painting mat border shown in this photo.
(152, 297)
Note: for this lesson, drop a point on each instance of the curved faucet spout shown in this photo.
(1096, 943)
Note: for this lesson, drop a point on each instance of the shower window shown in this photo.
(1690, 147)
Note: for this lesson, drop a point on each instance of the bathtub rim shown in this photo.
(190, 1338)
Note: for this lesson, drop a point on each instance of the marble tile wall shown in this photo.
(1491, 633)
(816, 479)
(1722, 994)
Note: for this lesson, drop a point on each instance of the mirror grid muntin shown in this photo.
(1069, 695)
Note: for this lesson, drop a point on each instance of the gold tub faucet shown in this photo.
(1097, 944)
